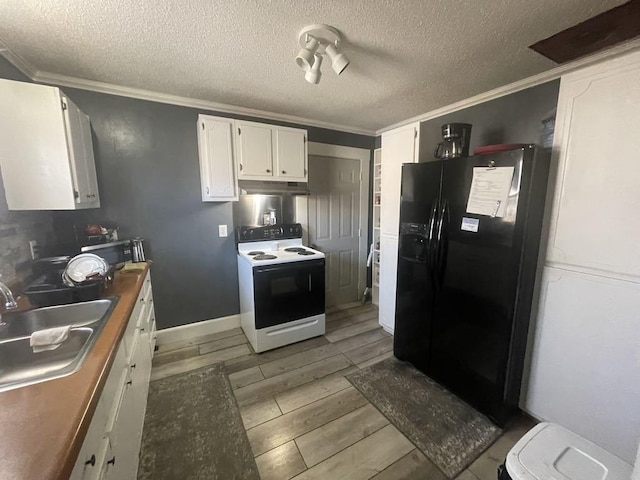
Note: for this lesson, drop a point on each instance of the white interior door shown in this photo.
(334, 223)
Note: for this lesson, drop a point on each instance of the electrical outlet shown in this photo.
(222, 230)
(34, 249)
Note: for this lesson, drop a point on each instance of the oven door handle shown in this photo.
(309, 282)
(289, 265)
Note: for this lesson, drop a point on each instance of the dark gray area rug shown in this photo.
(193, 430)
(447, 430)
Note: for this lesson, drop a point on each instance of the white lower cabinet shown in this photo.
(112, 444)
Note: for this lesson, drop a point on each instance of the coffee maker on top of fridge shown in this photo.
(455, 141)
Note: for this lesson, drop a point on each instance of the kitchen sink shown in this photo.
(20, 366)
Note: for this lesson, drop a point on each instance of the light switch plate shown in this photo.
(222, 230)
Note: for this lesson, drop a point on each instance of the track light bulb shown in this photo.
(339, 61)
(305, 57)
(313, 75)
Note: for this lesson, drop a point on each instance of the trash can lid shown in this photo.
(549, 451)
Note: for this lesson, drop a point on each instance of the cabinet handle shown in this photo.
(112, 461)
(207, 190)
(268, 171)
(133, 366)
(240, 167)
(91, 461)
(283, 172)
(129, 382)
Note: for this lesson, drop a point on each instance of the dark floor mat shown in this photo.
(193, 430)
(447, 430)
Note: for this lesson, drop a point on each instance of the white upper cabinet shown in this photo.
(398, 146)
(46, 150)
(596, 212)
(290, 147)
(268, 152)
(216, 151)
(255, 150)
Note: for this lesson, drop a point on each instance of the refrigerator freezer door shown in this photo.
(414, 291)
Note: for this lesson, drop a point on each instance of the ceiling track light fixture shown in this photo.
(315, 41)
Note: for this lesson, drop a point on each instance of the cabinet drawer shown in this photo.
(137, 316)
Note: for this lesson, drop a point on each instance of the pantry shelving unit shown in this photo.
(377, 179)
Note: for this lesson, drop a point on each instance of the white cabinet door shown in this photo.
(585, 365)
(216, 151)
(398, 146)
(388, 272)
(46, 150)
(596, 213)
(83, 169)
(255, 150)
(290, 153)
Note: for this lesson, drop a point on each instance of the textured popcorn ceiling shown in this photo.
(407, 56)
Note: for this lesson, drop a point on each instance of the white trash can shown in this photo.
(551, 452)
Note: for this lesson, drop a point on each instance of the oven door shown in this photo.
(288, 291)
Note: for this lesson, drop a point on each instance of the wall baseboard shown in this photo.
(387, 329)
(198, 329)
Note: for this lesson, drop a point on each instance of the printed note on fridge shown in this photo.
(489, 191)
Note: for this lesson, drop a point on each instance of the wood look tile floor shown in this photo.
(303, 418)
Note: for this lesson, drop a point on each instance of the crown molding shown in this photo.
(16, 60)
(523, 84)
(141, 94)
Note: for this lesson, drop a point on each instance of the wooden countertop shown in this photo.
(42, 426)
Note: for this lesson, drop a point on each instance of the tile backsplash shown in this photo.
(16, 230)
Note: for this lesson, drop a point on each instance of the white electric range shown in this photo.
(281, 284)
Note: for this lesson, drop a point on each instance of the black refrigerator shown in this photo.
(468, 247)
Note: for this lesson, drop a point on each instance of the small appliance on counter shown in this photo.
(119, 253)
(281, 284)
(115, 253)
(455, 141)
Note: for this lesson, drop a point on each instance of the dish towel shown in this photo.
(49, 339)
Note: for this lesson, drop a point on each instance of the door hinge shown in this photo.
(359, 232)
(415, 133)
(360, 176)
(64, 105)
(76, 194)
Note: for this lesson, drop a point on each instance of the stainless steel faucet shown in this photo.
(9, 302)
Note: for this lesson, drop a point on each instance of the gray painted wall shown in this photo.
(514, 118)
(148, 176)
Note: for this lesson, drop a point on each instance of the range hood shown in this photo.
(250, 187)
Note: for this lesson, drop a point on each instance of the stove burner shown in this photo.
(295, 249)
(256, 252)
(305, 252)
(264, 257)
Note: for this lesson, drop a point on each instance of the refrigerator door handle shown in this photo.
(430, 236)
(441, 246)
